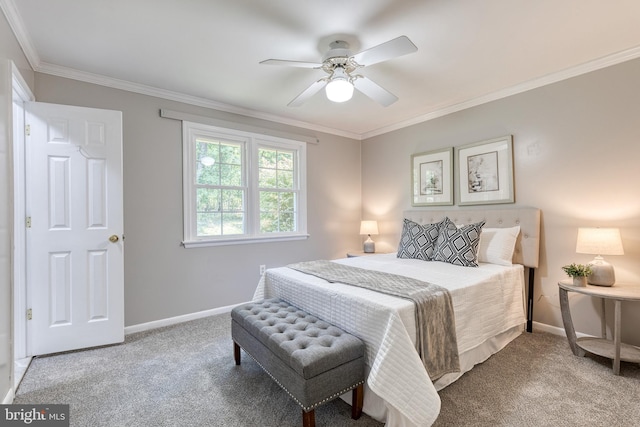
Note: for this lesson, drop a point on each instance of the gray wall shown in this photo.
(576, 150)
(162, 279)
(9, 51)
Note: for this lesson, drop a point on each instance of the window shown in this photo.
(276, 185)
(220, 187)
(241, 187)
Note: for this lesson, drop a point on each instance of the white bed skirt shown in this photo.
(378, 409)
(487, 301)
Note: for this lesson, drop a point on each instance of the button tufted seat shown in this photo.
(312, 360)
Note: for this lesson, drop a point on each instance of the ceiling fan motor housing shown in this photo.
(339, 56)
(337, 49)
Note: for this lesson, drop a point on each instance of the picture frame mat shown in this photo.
(432, 178)
(484, 171)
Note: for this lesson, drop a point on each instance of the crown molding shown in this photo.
(70, 73)
(587, 67)
(20, 31)
(565, 74)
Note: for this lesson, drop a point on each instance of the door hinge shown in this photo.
(29, 314)
(28, 222)
(27, 130)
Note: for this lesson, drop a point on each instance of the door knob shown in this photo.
(113, 238)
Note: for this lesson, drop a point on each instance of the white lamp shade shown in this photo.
(339, 89)
(599, 241)
(369, 227)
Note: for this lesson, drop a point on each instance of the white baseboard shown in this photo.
(8, 399)
(20, 367)
(543, 327)
(178, 319)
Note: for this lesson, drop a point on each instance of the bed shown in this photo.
(488, 302)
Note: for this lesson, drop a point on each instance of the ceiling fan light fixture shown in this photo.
(339, 88)
(207, 161)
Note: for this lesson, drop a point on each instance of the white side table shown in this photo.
(352, 254)
(613, 349)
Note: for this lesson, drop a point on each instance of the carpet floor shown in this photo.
(184, 375)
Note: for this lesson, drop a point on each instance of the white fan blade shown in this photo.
(299, 64)
(385, 51)
(374, 91)
(308, 93)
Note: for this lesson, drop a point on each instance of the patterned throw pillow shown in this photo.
(459, 246)
(418, 241)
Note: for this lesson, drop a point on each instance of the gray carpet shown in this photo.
(537, 381)
(184, 375)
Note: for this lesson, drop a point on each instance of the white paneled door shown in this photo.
(75, 277)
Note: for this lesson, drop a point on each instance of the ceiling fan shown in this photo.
(340, 65)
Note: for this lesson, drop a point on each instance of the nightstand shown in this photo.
(352, 254)
(613, 349)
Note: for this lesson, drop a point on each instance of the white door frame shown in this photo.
(21, 350)
(22, 335)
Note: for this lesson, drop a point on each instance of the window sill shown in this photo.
(242, 240)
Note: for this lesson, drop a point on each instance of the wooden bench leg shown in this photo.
(236, 352)
(357, 398)
(309, 418)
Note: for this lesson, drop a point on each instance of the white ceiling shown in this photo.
(208, 51)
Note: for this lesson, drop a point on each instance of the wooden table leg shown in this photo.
(357, 399)
(603, 321)
(308, 418)
(568, 323)
(616, 336)
(236, 352)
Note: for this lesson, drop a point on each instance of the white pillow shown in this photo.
(497, 245)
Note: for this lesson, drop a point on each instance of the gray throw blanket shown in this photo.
(435, 323)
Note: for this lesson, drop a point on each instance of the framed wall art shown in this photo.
(432, 178)
(484, 171)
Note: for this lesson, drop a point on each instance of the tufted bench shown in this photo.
(312, 360)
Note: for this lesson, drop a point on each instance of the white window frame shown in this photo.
(251, 142)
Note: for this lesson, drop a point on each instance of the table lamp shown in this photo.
(600, 241)
(369, 228)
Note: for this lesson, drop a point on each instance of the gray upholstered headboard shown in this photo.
(527, 250)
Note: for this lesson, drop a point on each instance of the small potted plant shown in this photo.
(578, 272)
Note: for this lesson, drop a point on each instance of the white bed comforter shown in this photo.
(487, 301)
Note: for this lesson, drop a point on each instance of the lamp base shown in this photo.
(369, 246)
(602, 273)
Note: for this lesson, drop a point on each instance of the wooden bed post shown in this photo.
(530, 301)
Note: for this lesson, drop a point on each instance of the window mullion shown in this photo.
(189, 190)
(253, 195)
